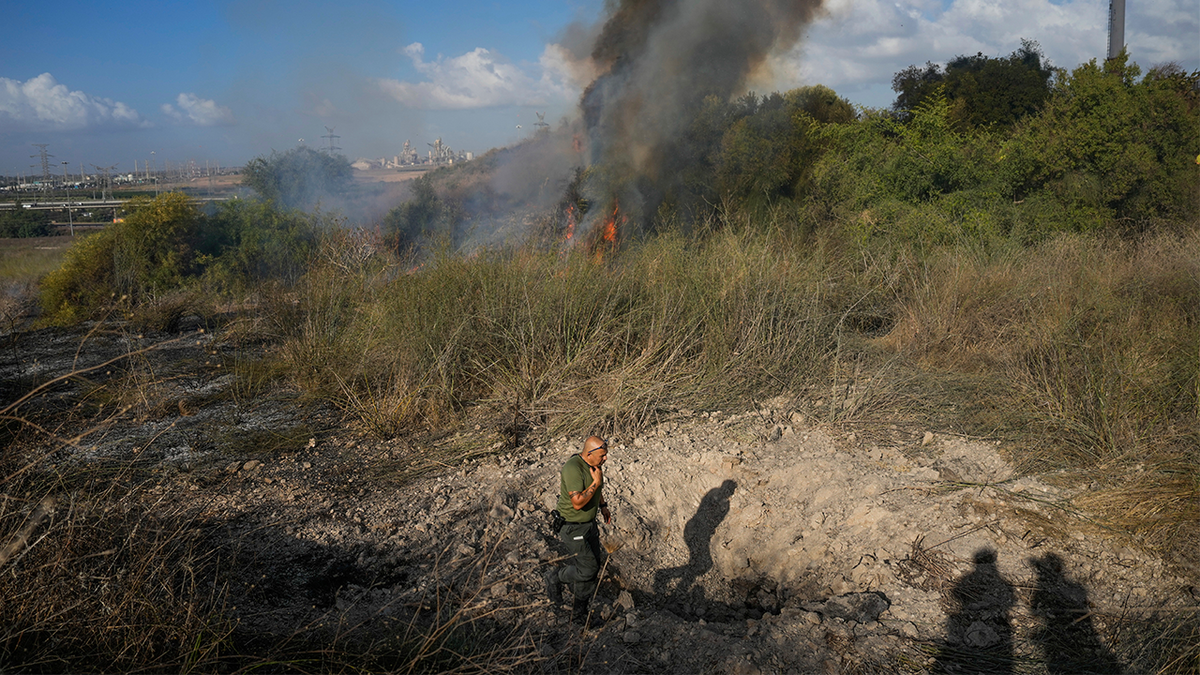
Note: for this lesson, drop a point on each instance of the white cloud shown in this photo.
(200, 112)
(42, 104)
(482, 78)
(860, 44)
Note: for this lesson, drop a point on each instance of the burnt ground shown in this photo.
(757, 540)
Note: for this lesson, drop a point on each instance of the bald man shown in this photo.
(580, 497)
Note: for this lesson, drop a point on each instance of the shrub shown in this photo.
(151, 253)
(22, 222)
(298, 178)
(252, 242)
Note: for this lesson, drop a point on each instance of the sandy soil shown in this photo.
(750, 541)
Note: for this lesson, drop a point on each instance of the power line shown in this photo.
(45, 162)
(331, 136)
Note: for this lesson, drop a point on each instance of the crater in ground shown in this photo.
(757, 540)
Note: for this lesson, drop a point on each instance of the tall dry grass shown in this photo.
(559, 339)
(1097, 342)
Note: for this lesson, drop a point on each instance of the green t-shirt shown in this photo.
(575, 478)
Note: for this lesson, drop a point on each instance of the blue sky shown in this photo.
(110, 83)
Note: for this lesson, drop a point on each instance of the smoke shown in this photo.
(659, 60)
(651, 66)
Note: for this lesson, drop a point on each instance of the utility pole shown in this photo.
(45, 163)
(331, 136)
(105, 189)
(67, 189)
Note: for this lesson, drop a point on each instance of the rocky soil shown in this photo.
(752, 541)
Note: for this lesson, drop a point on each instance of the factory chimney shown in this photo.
(1116, 27)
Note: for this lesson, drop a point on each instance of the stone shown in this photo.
(625, 601)
(928, 438)
(251, 465)
(631, 637)
(860, 607)
(981, 636)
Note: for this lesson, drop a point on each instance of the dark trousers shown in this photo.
(583, 542)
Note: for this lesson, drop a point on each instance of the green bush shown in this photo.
(165, 245)
(299, 178)
(1111, 147)
(251, 242)
(151, 253)
(22, 222)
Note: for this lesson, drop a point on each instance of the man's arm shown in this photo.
(580, 499)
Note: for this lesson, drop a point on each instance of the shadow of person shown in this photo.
(1065, 633)
(678, 582)
(978, 632)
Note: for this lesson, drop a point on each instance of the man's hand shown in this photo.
(597, 474)
(607, 514)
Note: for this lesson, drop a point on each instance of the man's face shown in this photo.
(598, 456)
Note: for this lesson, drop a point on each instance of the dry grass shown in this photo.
(28, 259)
(560, 338)
(1092, 345)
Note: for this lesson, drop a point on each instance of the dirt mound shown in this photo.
(760, 541)
(738, 545)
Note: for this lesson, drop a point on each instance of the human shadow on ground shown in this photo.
(678, 584)
(1065, 634)
(979, 635)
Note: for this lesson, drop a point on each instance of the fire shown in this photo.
(571, 217)
(610, 226)
(605, 239)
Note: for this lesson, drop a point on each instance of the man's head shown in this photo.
(595, 451)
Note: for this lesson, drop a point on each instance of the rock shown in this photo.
(306, 465)
(981, 636)
(812, 618)
(500, 590)
(631, 637)
(928, 438)
(233, 467)
(625, 601)
(860, 607)
(251, 465)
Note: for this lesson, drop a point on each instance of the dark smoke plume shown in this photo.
(659, 60)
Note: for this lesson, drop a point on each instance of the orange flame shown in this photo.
(607, 239)
(610, 226)
(570, 221)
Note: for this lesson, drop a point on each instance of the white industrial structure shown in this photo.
(1116, 27)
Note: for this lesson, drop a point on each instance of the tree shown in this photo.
(981, 90)
(1111, 144)
(298, 178)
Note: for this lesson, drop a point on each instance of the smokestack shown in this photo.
(1116, 27)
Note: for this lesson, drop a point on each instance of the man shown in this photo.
(580, 497)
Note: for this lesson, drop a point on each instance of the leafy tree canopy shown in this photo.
(298, 178)
(981, 90)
